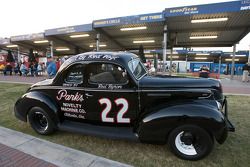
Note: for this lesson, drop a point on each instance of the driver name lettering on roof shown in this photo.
(96, 56)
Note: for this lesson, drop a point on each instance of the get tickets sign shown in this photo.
(137, 19)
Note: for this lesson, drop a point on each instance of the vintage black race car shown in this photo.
(110, 94)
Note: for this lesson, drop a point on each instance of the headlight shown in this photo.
(219, 105)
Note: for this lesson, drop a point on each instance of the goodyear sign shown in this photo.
(137, 19)
(233, 6)
(185, 10)
(245, 5)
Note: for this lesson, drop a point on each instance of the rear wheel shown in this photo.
(40, 121)
(190, 142)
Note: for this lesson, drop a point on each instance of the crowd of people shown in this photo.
(33, 68)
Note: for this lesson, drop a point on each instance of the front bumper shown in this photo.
(230, 126)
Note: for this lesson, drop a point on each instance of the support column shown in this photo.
(219, 67)
(51, 49)
(97, 41)
(164, 52)
(155, 61)
(171, 61)
(18, 54)
(186, 62)
(249, 55)
(233, 62)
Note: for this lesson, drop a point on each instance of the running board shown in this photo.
(100, 131)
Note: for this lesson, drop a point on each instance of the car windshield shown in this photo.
(137, 68)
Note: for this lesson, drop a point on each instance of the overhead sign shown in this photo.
(245, 5)
(27, 37)
(233, 6)
(137, 19)
(4, 41)
(68, 30)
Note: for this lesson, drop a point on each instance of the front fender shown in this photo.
(156, 126)
(36, 99)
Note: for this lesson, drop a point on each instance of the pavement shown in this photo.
(21, 79)
(235, 86)
(21, 150)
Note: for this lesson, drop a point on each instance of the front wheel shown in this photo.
(40, 121)
(190, 142)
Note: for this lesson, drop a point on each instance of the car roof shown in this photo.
(104, 55)
(116, 57)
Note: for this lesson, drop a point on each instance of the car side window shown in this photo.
(74, 76)
(106, 73)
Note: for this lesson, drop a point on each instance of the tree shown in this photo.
(141, 54)
(31, 56)
(9, 57)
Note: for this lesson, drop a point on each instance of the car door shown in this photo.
(70, 94)
(111, 96)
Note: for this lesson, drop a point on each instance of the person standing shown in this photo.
(8, 68)
(245, 72)
(51, 67)
(24, 69)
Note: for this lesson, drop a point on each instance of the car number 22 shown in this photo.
(119, 117)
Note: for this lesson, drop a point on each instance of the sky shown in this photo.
(20, 17)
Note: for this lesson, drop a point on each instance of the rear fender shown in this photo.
(155, 126)
(36, 99)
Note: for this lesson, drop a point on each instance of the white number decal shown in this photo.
(107, 109)
(121, 112)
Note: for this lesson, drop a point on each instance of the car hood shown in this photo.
(177, 82)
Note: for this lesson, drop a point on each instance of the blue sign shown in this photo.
(245, 5)
(233, 6)
(68, 30)
(4, 41)
(27, 37)
(137, 19)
